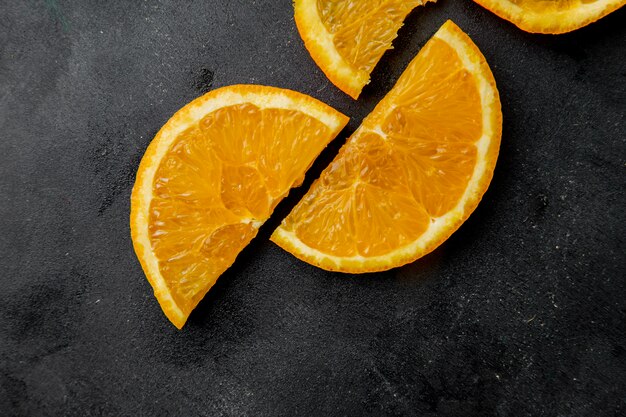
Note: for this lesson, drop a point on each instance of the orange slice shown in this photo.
(551, 16)
(210, 178)
(411, 173)
(347, 38)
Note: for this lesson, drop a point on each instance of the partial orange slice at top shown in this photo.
(413, 171)
(551, 16)
(347, 38)
(211, 177)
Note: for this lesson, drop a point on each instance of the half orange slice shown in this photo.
(211, 177)
(551, 16)
(347, 38)
(413, 171)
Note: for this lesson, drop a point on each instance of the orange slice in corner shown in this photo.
(553, 16)
(413, 171)
(347, 38)
(210, 178)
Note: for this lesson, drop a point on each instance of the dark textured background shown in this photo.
(521, 313)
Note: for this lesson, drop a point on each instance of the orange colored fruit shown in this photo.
(551, 16)
(347, 38)
(210, 178)
(414, 170)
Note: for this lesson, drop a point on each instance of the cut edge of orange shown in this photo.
(193, 112)
(488, 148)
(322, 49)
(555, 22)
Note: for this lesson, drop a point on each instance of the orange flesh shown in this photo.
(218, 177)
(548, 6)
(363, 29)
(551, 16)
(409, 163)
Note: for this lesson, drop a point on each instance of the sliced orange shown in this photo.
(413, 171)
(551, 16)
(210, 178)
(347, 38)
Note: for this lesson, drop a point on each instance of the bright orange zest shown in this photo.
(553, 16)
(210, 178)
(412, 172)
(347, 38)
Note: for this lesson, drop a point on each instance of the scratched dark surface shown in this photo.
(521, 313)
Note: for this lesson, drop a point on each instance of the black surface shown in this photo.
(521, 313)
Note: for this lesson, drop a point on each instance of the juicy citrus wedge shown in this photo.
(411, 173)
(211, 176)
(347, 38)
(551, 16)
